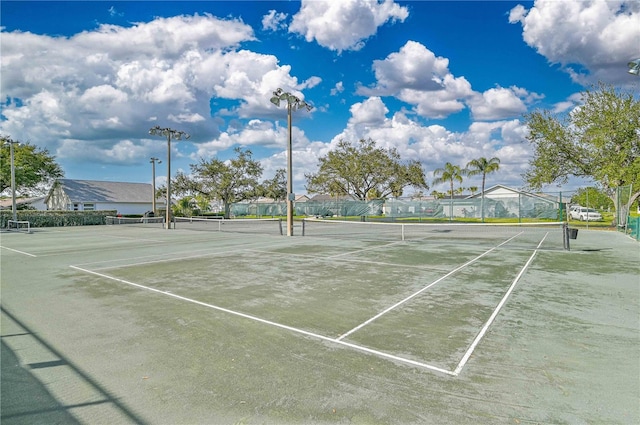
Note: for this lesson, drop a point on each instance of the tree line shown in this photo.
(360, 170)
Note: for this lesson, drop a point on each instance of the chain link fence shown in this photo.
(504, 204)
(501, 204)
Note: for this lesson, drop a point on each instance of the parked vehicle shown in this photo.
(584, 214)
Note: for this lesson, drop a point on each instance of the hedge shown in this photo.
(57, 218)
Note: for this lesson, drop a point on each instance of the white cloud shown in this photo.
(370, 112)
(311, 82)
(413, 67)
(433, 145)
(115, 82)
(123, 152)
(337, 89)
(415, 75)
(499, 103)
(599, 35)
(571, 102)
(346, 24)
(274, 21)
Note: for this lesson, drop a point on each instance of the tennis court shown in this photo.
(351, 323)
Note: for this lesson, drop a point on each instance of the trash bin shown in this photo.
(573, 233)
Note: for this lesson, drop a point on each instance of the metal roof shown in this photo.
(106, 191)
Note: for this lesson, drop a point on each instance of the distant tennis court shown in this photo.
(350, 323)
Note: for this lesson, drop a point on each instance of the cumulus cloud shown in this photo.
(415, 75)
(326, 21)
(412, 67)
(499, 103)
(591, 39)
(99, 85)
(370, 112)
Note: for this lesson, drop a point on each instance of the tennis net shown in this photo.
(271, 226)
(136, 222)
(542, 234)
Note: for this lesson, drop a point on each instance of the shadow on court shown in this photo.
(26, 400)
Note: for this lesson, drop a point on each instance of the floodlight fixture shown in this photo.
(634, 67)
(169, 133)
(293, 103)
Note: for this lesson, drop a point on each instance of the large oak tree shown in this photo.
(230, 181)
(364, 171)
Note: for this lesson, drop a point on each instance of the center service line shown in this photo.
(493, 316)
(277, 325)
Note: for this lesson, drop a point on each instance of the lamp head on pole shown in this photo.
(634, 67)
(169, 132)
(293, 101)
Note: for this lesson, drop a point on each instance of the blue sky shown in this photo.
(440, 81)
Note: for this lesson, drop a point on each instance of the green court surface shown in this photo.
(123, 324)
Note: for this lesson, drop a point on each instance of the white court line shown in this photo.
(19, 252)
(277, 325)
(493, 316)
(415, 294)
(484, 329)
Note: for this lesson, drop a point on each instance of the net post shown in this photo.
(565, 236)
(280, 226)
(560, 208)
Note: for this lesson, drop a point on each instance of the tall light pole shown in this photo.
(176, 135)
(293, 103)
(13, 176)
(153, 162)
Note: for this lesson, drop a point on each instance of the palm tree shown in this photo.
(449, 173)
(483, 166)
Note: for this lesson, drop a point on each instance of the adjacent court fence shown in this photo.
(501, 205)
(627, 223)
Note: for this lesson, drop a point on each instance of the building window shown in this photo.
(76, 207)
(89, 207)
